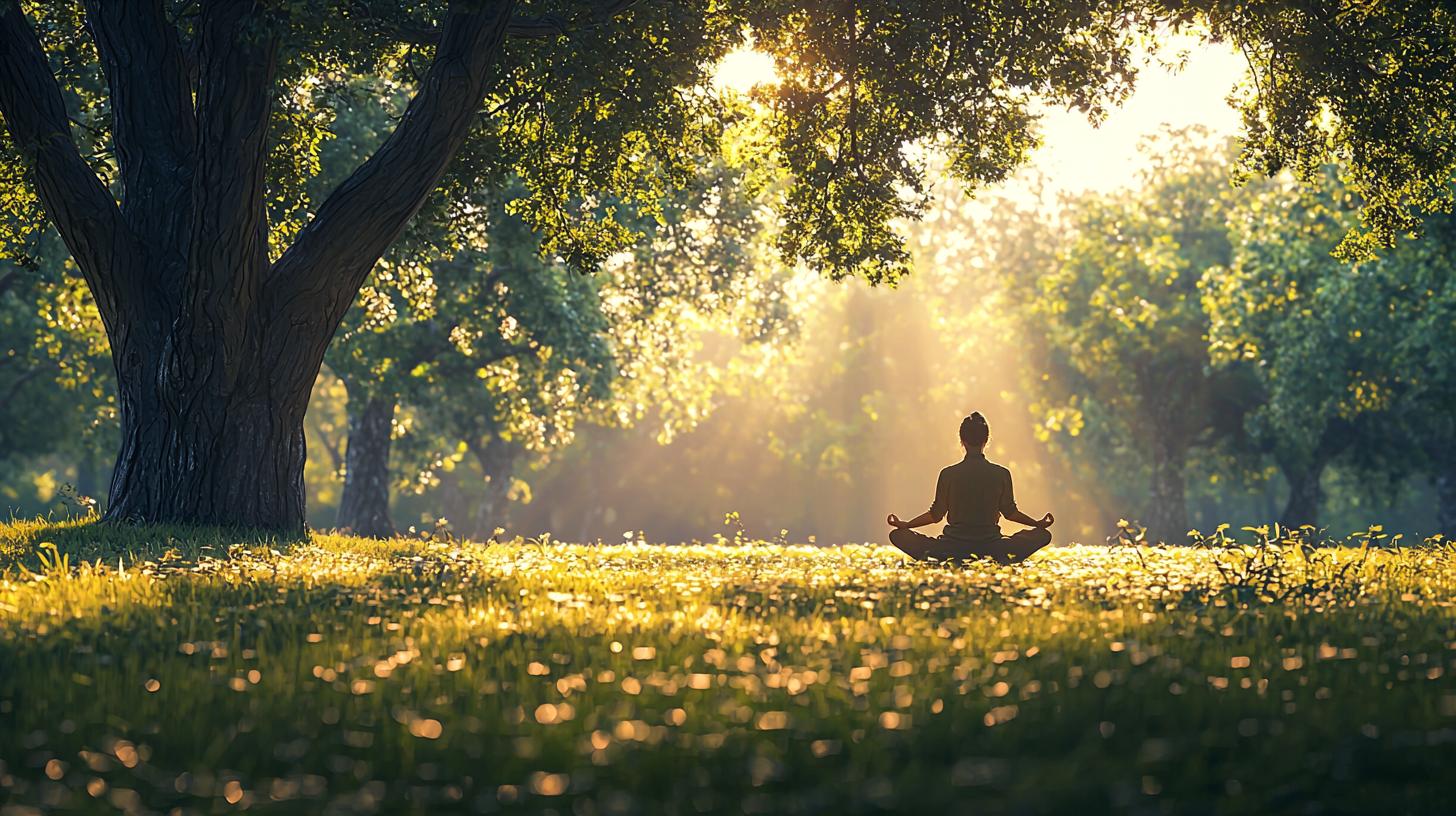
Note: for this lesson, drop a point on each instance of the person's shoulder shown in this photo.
(999, 468)
(954, 467)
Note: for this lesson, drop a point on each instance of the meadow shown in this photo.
(166, 670)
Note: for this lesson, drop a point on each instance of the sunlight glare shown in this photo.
(1078, 156)
(744, 69)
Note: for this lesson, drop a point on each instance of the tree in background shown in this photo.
(497, 354)
(503, 352)
(1125, 330)
(1428, 351)
(56, 391)
(1349, 356)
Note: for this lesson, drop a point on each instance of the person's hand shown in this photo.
(1046, 521)
(894, 521)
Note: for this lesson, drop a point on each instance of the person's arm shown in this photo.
(931, 516)
(1022, 518)
(1011, 512)
(919, 521)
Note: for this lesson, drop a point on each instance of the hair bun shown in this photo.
(974, 431)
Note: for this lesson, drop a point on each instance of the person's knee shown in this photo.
(1042, 537)
(901, 536)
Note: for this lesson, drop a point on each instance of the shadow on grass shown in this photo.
(90, 539)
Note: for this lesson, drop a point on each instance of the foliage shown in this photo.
(497, 353)
(1426, 351)
(583, 112)
(858, 83)
(56, 386)
(1345, 353)
(1369, 86)
(1119, 305)
(350, 675)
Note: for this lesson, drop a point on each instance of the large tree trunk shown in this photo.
(233, 458)
(1167, 517)
(216, 349)
(364, 508)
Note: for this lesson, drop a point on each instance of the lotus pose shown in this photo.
(974, 494)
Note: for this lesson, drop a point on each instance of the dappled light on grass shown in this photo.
(348, 676)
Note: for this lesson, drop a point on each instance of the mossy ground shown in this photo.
(186, 671)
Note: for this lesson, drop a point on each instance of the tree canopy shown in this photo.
(1367, 86)
(1347, 355)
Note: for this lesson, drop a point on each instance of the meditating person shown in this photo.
(974, 494)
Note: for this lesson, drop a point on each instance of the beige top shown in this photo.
(972, 495)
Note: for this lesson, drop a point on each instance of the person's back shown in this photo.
(972, 495)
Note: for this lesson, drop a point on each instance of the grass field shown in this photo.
(172, 671)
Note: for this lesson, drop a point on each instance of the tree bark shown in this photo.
(211, 420)
(146, 77)
(229, 459)
(364, 508)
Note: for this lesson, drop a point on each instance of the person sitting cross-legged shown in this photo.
(973, 495)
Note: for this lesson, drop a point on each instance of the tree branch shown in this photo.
(153, 126)
(317, 278)
(82, 210)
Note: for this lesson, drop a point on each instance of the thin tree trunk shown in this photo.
(591, 510)
(1167, 518)
(1305, 494)
(497, 460)
(364, 508)
(1445, 484)
(1171, 408)
(86, 482)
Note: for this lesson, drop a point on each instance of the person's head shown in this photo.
(974, 432)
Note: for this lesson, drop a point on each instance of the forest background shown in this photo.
(1149, 341)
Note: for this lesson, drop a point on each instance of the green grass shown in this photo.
(183, 671)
